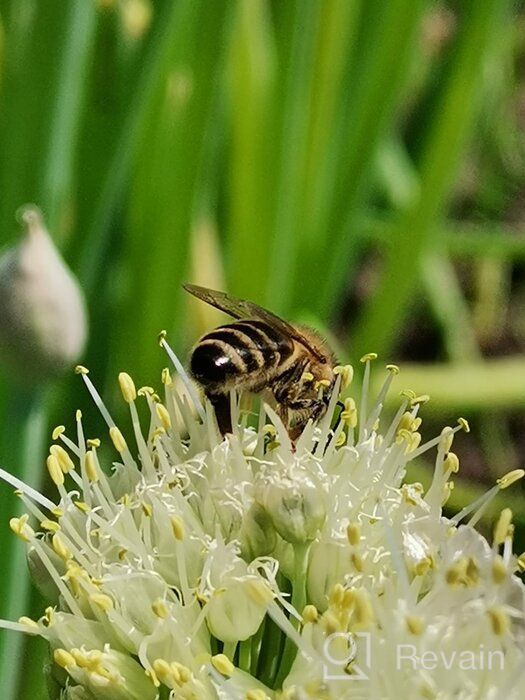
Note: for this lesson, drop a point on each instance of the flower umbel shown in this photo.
(248, 567)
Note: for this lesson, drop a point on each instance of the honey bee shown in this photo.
(259, 352)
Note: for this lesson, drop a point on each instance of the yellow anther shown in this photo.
(78, 415)
(166, 377)
(83, 507)
(64, 460)
(330, 623)
(341, 439)
(157, 433)
(127, 387)
(28, 622)
(447, 438)
(363, 611)
(184, 673)
(337, 594)
(463, 422)
(162, 337)
(322, 384)
(510, 478)
(347, 374)
(412, 493)
(423, 398)
(415, 624)
(57, 432)
(260, 592)
(353, 533)
(80, 369)
(163, 416)
(126, 500)
(503, 527)
(393, 368)
(422, 566)
(60, 547)
(163, 671)
(349, 599)
(146, 391)
(64, 659)
(50, 525)
(448, 487)
(256, 694)
(177, 526)
(57, 512)
(451, 463)
(53, 467)
(406, 421)
(102, 601)
(310, 614)
(349, 414)
(307, 377)
(499, 621)
(472, 572)
(408, 394)
(122, 554)
(93, 443)
(160, 608)
(521, 562)
(403, 435)
(117, 439)
(147, 509)
(413, 442)
(357, 561)
(223, 664)
(91, 467)
(369, 357)
(499, 570)
(456, 573)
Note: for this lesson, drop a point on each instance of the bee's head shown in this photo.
(318, 381)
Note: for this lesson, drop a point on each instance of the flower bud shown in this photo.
(233, 613)
(296, 505)
(42, 311)
(257, 535)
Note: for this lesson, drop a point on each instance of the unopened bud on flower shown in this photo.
(296, 506)
(43, 322)
(234, 613)
(257, 535)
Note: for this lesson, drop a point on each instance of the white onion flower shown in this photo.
(248, 567)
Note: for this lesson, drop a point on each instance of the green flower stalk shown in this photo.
(252, 568)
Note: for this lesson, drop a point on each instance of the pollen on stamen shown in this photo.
(368, 357)
(127, 387)
(58, 431)
(510, 478)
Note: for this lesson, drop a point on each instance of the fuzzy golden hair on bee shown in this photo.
(260, 351)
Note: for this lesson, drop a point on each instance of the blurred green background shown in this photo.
(355, 164)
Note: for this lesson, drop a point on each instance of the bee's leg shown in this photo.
(221, 406)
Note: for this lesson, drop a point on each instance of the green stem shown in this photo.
(256, 642)
(26, 425)
(245, 655)
(229, 649)
(271, 649)
(301, 552)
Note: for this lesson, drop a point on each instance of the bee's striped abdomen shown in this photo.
(238, 350)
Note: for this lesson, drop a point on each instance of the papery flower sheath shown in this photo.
(186, 565)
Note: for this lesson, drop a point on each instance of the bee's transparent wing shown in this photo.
(239, 308)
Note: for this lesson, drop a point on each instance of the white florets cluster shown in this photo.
(251, 568)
